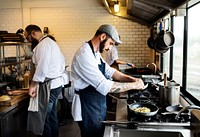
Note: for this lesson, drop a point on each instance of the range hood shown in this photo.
(145, 12)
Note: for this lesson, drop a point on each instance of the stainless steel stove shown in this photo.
(151, 95)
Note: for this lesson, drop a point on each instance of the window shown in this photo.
(192, 79)
(178, 49)
(193, 59)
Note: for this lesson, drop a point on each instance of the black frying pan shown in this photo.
(153, 109)
(132, 107)
(151, 42)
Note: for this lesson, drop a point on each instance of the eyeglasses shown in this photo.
(27, 37)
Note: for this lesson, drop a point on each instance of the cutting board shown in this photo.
(13, 100)
(195, 115)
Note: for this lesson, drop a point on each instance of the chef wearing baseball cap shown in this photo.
(93, 80)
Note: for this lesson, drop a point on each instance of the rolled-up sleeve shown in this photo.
(105, 86)
(85, 66)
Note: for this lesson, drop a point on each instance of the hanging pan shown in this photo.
(151, 40)
(165, 39)
(159, 49)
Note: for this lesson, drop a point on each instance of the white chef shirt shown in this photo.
(49, 63)
(85, 72)
(111, 55)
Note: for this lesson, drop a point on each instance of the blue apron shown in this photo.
(93, 105)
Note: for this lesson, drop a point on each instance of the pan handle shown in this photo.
(119, 122)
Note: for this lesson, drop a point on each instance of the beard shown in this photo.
(102, 45)
(34, 43)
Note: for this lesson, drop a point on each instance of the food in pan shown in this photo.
(4, 98)
(142, 109)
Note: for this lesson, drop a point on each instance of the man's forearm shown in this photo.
(122, 87)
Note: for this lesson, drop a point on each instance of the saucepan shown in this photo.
(175, 109)
(165, 39)
(142, 109)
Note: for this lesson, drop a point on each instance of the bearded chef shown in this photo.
(93, 80)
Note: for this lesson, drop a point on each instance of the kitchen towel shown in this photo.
(36, 120)
(33, 102)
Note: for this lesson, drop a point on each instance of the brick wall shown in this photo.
(71, 25)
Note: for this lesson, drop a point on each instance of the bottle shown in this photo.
(26, 79)
(17, 81)
(21, 82)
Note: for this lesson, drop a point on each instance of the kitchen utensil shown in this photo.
(165, 79)
(17, 92)
(158, 49)
(119, 122)
(132, 107)
(169, 93)
(186, 108)
(153, 34)
(145, 86)
(165, 39)
(153, 109)
(138, 71)
(150, 42)
(175, 108)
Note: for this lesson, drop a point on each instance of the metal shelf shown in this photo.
(14, 43)
(14, 63)
(19, 60)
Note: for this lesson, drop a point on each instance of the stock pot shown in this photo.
(169, 94)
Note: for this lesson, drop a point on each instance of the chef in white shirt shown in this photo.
(46, 84)
(92, 79)
(111, 57)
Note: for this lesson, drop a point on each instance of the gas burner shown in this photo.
(150, 95)
(161, 116)
(146, 119)
(182, 119)
(145, 101)
(143, 94)
(153, 101)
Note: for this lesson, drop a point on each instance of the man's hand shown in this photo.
(131, 65)
(138, 84)
(117, 87)
(33, 89)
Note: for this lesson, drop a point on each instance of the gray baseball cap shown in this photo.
(111, 31)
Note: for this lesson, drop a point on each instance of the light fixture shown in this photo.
(116, 6)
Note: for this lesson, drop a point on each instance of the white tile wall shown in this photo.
(10, 20)
(72, 25)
